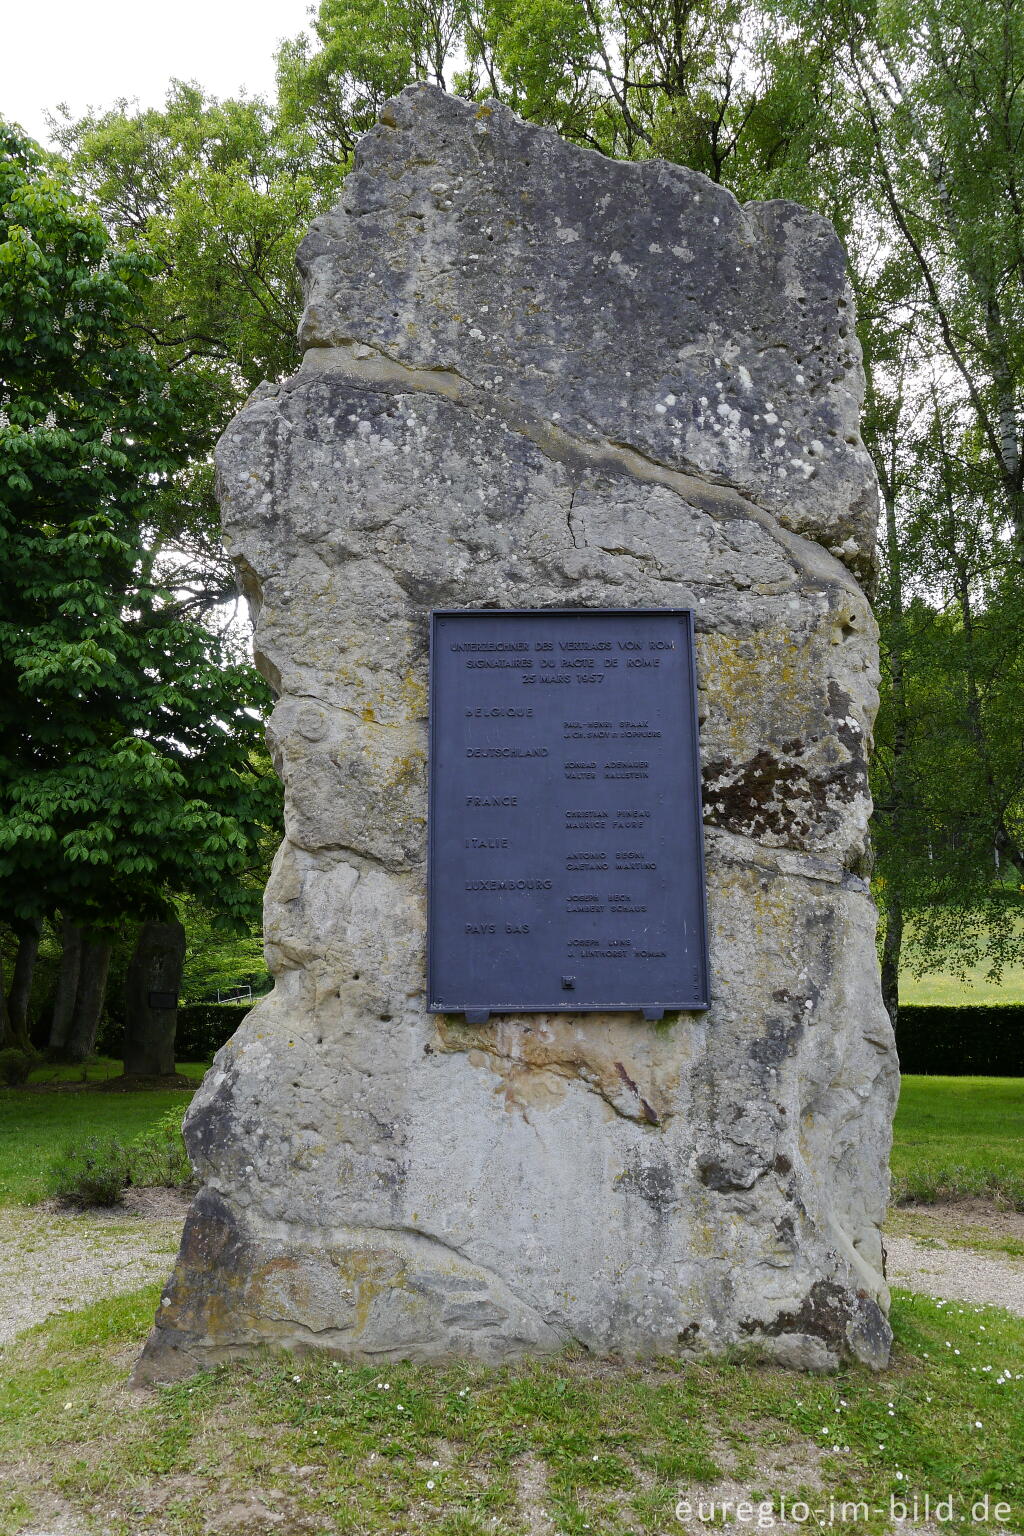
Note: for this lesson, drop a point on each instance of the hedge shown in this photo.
(204, 1027)
(202, 1030)
(973, 1040)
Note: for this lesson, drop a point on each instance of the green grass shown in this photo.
(564, 1446)
(939, 987)
(100, 1069)
(942, 987)
(960, 1136)
(35, 1126)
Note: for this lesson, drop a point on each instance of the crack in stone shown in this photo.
(719, 499)
(568, 518)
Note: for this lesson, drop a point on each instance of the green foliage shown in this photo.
(714, 86)
(204, 1027)
(98, 1171)
(157, 1155)
(15, 1067)
(217, 958)
(89, 1173)
(940, 988)
(134, 762)
(221, 192)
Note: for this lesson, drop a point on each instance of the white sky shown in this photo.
(90, 52)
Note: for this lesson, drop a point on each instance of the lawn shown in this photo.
(960, 1136)
(942, 989)
(36, 1125)
(569, 1445)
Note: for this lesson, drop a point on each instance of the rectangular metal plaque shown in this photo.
(566, 855)
(163, 999)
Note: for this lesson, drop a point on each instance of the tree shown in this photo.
(931, 94)
(904, 124)
(221, 193)
(132, 762)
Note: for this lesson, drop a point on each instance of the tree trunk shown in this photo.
(21, 985)
(67, 985)
(891, 950)
(151, 990)
(4, 1021)
(92, 989)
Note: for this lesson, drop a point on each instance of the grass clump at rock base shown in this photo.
(305, 1444)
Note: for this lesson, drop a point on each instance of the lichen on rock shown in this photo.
(538, 378)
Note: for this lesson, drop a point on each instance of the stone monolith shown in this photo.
(534, 377)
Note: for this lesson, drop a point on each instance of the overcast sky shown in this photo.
(89, 52)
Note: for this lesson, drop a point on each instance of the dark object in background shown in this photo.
(151, 989)
(15, 1066)
(970, 1040)
(204, 1027)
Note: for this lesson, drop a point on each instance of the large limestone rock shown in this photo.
(537, 378)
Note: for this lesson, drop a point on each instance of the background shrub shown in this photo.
(93, 1173)
(158, 1155)
(204, 1027)
(98, 1171)
(15, 1067)
(972, 1040)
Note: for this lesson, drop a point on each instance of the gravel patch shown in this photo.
(956, 1274)
(53, 1261)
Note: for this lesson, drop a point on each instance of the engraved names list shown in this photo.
(566, 864)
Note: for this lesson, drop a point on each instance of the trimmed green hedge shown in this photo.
(204, 1027)
(972, 1040)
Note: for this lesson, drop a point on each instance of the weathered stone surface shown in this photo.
(537, 378)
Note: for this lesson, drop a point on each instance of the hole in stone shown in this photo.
(355, 975)
(385, 1018)
(319, 1039)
